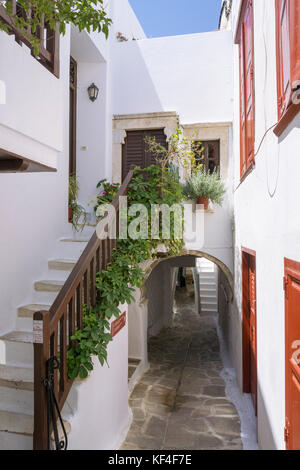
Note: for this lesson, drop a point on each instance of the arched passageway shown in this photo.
(180, 403)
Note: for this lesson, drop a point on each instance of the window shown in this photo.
(135, 150)
(48, 38)
(288, 60)
(208, 154)
(246, 55)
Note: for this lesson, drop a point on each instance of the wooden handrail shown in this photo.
(53, 330)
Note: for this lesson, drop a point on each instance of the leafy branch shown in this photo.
(31, 15)
(116, 284)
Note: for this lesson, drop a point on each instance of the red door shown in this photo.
(249, 325)
(292, 348)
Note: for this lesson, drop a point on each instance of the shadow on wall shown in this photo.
(134, 89)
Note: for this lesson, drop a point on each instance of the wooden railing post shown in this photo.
(41, 338)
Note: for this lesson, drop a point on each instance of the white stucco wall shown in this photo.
(267, 221)
(99, 405)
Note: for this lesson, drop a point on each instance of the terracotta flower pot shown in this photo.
(204, 201)
(70, 215)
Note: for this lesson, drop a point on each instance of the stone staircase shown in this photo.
(208, 283)
(16, 351)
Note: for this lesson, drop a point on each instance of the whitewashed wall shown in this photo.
(190, 74)
(35, 123)
(267, 221)
(97, 408)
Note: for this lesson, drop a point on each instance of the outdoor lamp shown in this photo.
(93, 92)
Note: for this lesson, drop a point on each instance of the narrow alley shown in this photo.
(180, 403)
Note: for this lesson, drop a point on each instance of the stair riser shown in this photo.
(11, 441)
(207, 292)
(71, 250)
(13, 352)
(15, 400)
(207, 277)
(44, 297)
(209, 300)
(209, 306)
(24, 324)
(59, 275)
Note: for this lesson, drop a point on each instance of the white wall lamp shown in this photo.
(93, 92)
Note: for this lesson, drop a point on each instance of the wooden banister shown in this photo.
(53, 329)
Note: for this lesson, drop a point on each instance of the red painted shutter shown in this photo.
(292, 345)
(295, 39)
(247, 114)
(249, 82)
(283, 55)
(242, 109)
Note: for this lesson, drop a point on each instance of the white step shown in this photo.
(16, 400)
(16, 348)
(25, 315)
(46, 290)
(16, 377)
(62, 264)
(72, 248)
(21, 423)
(16, 430)
(207, 276)
(15, 441)
(208, 291)
(207, 285)
(48, 286)
(209, 299)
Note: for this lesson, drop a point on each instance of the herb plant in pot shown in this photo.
(203, 186)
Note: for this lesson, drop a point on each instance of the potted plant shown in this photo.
(203, 186)
(76, 212)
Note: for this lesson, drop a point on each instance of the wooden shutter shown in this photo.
(135, 149)
(242, 109)
(245, 39)
(292, 347)
(160, 138)
(249, 82)
(295, 39)
(283, 55)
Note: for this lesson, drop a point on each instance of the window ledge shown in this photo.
(286, 119)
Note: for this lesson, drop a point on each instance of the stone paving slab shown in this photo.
(180, 403)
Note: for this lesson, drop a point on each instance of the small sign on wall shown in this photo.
(118, 324)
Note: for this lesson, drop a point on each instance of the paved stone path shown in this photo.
(180, 403)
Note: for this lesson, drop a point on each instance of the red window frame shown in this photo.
(245, 40)
(288, 60)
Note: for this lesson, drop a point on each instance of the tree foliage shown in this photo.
(89, 15)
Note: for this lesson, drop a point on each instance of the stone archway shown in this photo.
(138, 310)
(195, 253)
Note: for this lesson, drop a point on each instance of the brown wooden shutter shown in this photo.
(135, 149)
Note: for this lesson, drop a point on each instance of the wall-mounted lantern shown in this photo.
(93, 92)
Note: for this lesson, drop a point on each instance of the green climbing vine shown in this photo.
(115, 285)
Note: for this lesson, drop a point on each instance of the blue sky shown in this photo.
(172, 17)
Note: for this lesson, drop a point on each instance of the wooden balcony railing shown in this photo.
(57, 326)
(48, 38)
